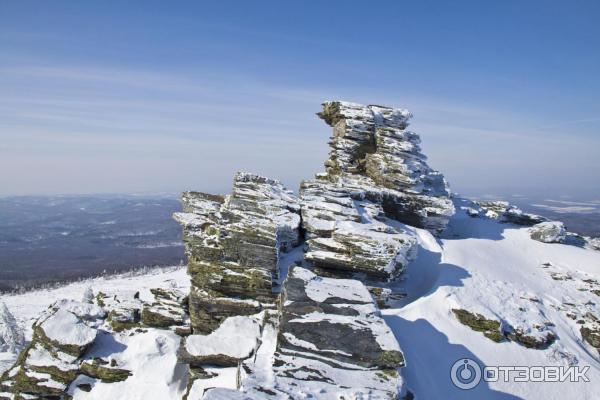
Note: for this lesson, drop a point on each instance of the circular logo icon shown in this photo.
(465, 374)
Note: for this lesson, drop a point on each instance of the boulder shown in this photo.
(64, 331)
(102, 370)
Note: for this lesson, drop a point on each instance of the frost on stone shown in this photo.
(88, 295)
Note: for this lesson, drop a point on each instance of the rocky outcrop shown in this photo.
(319, 329)
(233, 245)
(376, 176)
(548, 232)
(63, 355)
(349, 234)
(327, 329)
(51, 361)
(374, 157)
(503, 211)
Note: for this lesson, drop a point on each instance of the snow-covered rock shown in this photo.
(66, 331)
(169, 309)
(234, 340)
(480, 286)
(233, 245)
(372, 152)
(549, 232)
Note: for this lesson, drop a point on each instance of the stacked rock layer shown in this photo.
(374, 156)
(233, 244)
(321, 333)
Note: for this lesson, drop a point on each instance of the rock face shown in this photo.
(374, 157)
(233, 244)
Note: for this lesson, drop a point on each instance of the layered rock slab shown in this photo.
(233, 244)
(330, 342)
(349, 234)
(372, 151)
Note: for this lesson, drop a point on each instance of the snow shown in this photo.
(320, 289)
(151, 357)
(480, 265)
(236, 337)
(65, 328)
(494, 269)
(27, 307)
(85, 311)
(225, 378)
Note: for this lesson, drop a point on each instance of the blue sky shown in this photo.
(166, 96)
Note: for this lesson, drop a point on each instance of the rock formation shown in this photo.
(285, 290)
(320, 330)
(374, 157)
(548, 232)
(233, 244)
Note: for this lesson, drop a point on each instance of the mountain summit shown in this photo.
(370, 284)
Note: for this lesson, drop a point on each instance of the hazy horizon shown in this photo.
(146, 97)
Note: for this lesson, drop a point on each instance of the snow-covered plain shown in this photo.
(478, 264)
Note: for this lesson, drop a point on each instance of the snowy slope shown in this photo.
(498, 271)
